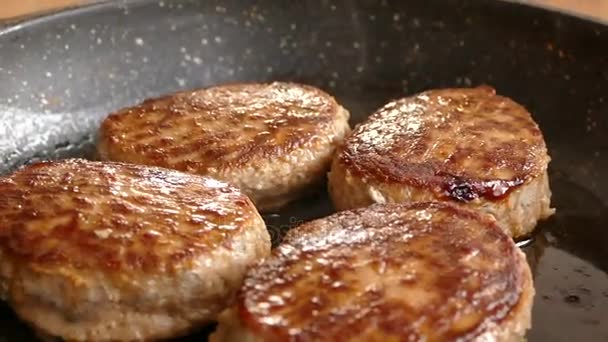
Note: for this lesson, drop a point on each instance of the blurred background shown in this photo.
(16, 8)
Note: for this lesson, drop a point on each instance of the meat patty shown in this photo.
(272, 140)
(467, 146)
(107, 251)
(389, 272)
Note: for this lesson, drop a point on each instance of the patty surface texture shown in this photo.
(396, 272)
(103, 251)
(467, 146)
(274, 140)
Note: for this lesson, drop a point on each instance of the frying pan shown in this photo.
(60, 74)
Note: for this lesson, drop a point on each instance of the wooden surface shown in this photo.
(13, 8)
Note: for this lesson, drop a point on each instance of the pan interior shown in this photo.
(60, 76)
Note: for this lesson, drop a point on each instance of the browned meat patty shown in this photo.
(467, 146)
(395, 272)
(272, 140)
(107, 251)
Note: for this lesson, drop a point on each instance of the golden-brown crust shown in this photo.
(427, 271)
(459, 143)
(221, 127)
(115, 217)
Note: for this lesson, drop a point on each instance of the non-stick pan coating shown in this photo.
(59, 76)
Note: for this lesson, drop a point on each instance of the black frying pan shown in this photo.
(60, 74)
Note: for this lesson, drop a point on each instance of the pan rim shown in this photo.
(19, 23)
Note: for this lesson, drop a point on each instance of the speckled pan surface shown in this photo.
(59, 76)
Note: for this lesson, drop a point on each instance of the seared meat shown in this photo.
(107, 251)
(388, 272)
(272, 140)
(467, 146)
